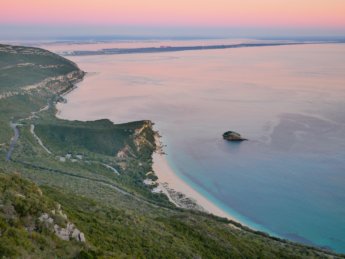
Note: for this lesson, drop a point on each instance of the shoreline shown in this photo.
(179, 191)
(168, 179)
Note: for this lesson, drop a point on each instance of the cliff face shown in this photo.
(102, 137)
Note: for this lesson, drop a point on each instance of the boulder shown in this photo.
(233, 136)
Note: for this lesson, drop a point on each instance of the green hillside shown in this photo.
(22, 234)
(23, 66)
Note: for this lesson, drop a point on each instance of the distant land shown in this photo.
(117, 51)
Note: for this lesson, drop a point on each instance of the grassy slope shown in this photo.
(118, 213)
(100, 136)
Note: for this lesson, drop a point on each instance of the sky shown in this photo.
(43, 17)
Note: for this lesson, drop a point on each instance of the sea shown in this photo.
(288, 179)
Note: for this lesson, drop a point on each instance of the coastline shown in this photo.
(178, 192)
(169, 181)
(166, 165)
(176, 189)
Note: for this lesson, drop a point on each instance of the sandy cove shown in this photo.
(178, 192)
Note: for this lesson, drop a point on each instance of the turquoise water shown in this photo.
(289, 178)
(297, 197)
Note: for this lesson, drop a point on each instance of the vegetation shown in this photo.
(21, 232)
(102, 136)
(95, 170)
(169, 234)
(23, 66)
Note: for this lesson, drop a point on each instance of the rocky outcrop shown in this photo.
(62, 228)
(233, 136)
(140, 136)
(69, 232)
(125, 153)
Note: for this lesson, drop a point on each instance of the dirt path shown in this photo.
(32, 130)
(100, 181)
(13, 140)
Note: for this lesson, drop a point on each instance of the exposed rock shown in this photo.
(75, 233)
(233, 136)
(62, 233)
(125, 152)
(65, 233)
(81, 237)
(69, 232)
(80, 157)
(149, 182)
(46, 219)
(140, 139)
(121, 154)
(159, 144)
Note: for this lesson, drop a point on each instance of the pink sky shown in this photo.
(273, 13)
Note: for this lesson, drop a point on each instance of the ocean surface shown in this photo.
(289, 101)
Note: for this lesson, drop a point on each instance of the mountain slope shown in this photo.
(22, 232)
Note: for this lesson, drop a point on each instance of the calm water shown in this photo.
(289, 101)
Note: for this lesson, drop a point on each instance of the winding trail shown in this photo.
(111, 168)
(100, 181)
(13, 140)
(32, 130)
(15, 129)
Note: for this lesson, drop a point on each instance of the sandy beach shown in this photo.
(167, 177)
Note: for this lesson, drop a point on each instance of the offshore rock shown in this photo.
(233, 136)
